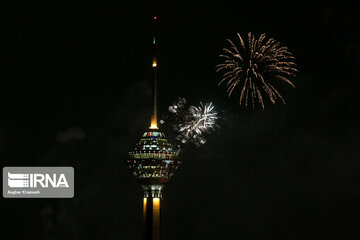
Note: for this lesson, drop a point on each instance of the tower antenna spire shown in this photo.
(154, 66)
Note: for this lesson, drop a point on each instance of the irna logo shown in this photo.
(20, 180)
(38, 182)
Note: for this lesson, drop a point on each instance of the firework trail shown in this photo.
(191, 124)
(255, 66)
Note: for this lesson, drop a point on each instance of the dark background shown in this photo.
(75, 90)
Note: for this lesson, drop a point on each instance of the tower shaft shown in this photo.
(154, 113)
(154, 67)
(151, 218)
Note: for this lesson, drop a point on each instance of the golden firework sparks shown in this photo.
(255, 66)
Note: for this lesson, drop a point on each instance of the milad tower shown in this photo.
(153, 162)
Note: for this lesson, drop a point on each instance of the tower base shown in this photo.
(151, 212)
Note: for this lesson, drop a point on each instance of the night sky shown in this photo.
(75, 90)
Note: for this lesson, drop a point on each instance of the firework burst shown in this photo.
(255, 66)
(198, 120)
(193, 122)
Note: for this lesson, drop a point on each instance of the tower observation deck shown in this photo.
(153, 162)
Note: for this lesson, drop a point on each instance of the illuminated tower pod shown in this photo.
(153, 162)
